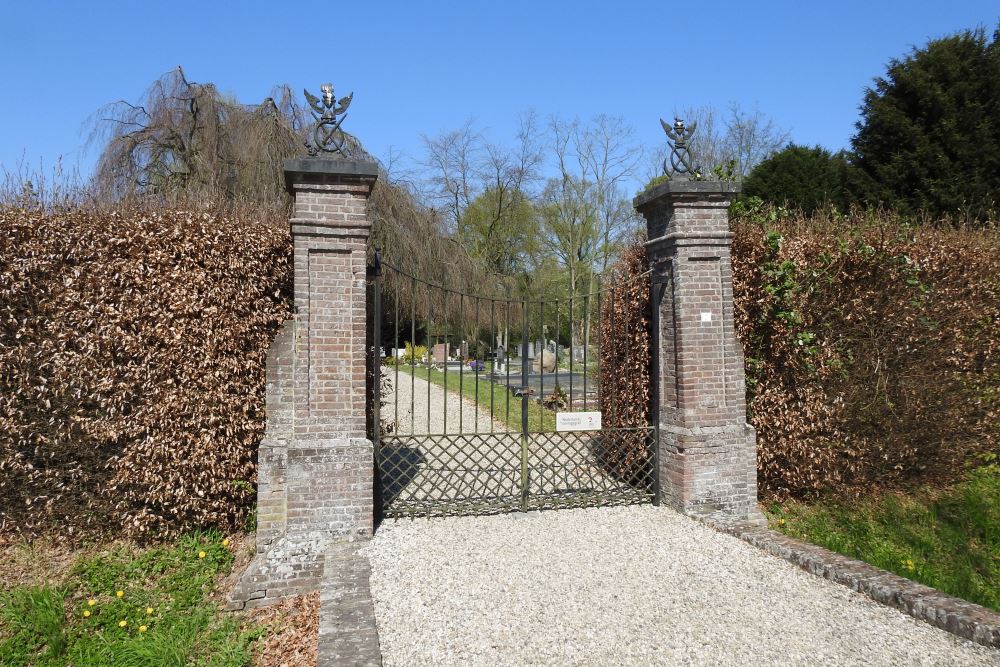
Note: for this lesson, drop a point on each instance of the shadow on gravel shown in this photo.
(400, 465)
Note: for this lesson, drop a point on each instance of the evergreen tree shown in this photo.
(929, 134)
(801, 177)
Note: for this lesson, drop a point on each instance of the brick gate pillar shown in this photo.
(315, 464)
(330, 461)
(707, 451)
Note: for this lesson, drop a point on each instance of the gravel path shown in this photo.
(623, 586)
(459, 412)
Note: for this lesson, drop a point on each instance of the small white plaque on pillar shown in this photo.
(578, 421)
(706, 317)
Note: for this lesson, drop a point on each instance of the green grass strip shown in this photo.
(128, 607)
(948, 539)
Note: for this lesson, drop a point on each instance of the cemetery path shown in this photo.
(425, 407)
(638, 585)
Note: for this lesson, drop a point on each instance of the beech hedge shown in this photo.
(132, 348)
(872, 349)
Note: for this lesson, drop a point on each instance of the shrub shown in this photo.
(132, 350)
(801, 177)
(623, 374)
(872, 348)
(414, 354)
(929, 134)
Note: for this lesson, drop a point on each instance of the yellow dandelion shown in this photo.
(122, 623)
(149, 611)
(91, 602)
(781, 521)
(201, 554)
(225, 542)
(119, 594)
(142, 628)
(86, 613)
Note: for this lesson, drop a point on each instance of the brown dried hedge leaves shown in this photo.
(623, 375)
(872, 349)
(132, 349)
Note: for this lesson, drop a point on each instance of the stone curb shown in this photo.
(347, 631)
(957, 616)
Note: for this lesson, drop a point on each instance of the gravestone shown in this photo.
(439, 353)
(545, 362)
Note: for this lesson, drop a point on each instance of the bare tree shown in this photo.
(569, 226)
(585, 210)
(609, 149)
(450, 159)
(743, 139)
(751, 137)
(484, 188)
(186, 139)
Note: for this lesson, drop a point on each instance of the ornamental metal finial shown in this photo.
(680, 153)
(326, 133)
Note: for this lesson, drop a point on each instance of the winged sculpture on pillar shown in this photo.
(680, 152)
(328, 115)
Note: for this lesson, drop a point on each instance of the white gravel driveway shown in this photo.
(623, 586)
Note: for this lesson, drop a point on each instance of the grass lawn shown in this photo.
(539, 418)
(121, 605)
(948, 539)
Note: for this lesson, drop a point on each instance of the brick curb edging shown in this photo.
(347, 631)
(959, 617)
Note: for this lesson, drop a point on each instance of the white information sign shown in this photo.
(578, 421)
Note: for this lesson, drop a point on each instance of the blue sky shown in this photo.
(424, 67)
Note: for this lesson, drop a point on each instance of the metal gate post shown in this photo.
(524, 406)
(377, 382)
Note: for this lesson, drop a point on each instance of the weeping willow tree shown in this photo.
(187, 144)
(186, 141)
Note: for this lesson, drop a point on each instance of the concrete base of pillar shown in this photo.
(710, 473)
(319, 493)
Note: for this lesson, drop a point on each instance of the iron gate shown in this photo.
(465, 427)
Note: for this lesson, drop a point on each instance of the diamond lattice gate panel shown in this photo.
(428, 475)
(463, 415)
(577, 468)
